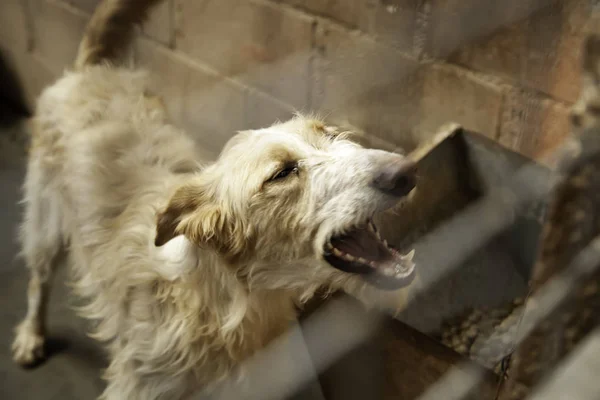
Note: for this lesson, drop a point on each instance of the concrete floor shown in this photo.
(73, 371)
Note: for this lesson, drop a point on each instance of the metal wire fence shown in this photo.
(283, 367)
(286, 365)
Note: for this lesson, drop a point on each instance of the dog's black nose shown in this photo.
(396, 178)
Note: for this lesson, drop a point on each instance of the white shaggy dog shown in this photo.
(189, 270)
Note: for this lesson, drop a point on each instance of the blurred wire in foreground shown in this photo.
(285, 365)
(539, 306)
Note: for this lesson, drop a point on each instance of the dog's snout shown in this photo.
(396, 178)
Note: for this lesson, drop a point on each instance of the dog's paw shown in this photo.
(28, 346)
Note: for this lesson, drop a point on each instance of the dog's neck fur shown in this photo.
(240, 318)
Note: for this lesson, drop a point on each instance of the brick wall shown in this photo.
(395, 68)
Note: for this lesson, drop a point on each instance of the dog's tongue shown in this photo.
(364, 244)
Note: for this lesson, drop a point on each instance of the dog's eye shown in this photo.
(285, 172)
(331, 133)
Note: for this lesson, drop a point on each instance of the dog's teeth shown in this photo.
(409, 256)
(389, 271)
(400, 272)
(362, 260)
(329, 246)
(372, 264)
(341, 254)
(385, 243)
(373, 228)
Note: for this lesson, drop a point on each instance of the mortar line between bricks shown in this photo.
(346, 28)
(247, 108)
(502, 108)
(30, 28)
(188, 61)
(297, 9)
(422, 28)
(507, 82)
(498, 82)
(373, 40)
(172, 24)
(539, 95)
(365, 36)
(40, 59)
(147, 36)
(492, 81)
(69, 7)
(312, 68)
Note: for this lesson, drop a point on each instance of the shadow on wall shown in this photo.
(13, 105)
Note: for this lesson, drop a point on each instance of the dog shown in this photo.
(186, 269)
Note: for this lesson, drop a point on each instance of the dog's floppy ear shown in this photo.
(190, 212)
(169, 221)
(193, 212)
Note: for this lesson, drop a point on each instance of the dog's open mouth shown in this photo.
(363, 251)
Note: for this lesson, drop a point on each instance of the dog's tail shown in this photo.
(109, 32)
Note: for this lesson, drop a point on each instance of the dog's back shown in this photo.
(99, 136)
(102, 159)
